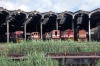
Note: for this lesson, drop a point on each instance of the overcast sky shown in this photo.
(50, 5)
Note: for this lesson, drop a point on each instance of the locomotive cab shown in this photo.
(55, 34)
(82, 36)
(67, 35)
(16, 36)
(35, 36)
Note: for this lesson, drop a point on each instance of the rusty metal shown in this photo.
(15, 55)
(17, 58)
(81, 58)
(74, 54)
(65, 57)
(74, 57)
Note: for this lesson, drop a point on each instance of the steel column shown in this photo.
(41, 30)
(25, 32)
(89, 30)
(56, 24)
(73, 23)
(7, 32)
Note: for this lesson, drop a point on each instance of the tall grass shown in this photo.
(51, 46)
(35, 59)
(35, 50)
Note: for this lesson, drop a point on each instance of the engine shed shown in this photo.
(34, 21)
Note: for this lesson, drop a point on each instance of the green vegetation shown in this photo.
(35, 50)
(51, 46)
(35, 59)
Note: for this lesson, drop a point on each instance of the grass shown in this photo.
(35, 51)
(51, 46)
(35, 59)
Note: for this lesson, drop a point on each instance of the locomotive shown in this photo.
(35, 36)
(47, 36)
(82, 36)
(67, 34)
(57, 34)
(16, 36)
(54, 34)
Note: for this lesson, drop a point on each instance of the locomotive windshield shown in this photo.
(20, 35)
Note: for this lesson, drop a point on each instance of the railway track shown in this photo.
(76, 58)
(62, 55)
(79, 58)
(74, 54)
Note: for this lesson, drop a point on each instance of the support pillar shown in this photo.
(56, 24)
(25, 32)
(89, 30)
(73, 27)
(7, 32)
(73, 23)
(41, 30)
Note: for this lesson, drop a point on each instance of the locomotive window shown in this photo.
(55, 33)
(35, 33)
(19, 36)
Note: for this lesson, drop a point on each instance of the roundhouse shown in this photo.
(35, 21)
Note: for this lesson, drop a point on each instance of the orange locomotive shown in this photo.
(35, 36)
(82, 36)
(67, 35)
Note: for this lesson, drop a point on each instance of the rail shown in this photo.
(75, 57)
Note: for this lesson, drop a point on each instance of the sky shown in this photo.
(50, 5)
